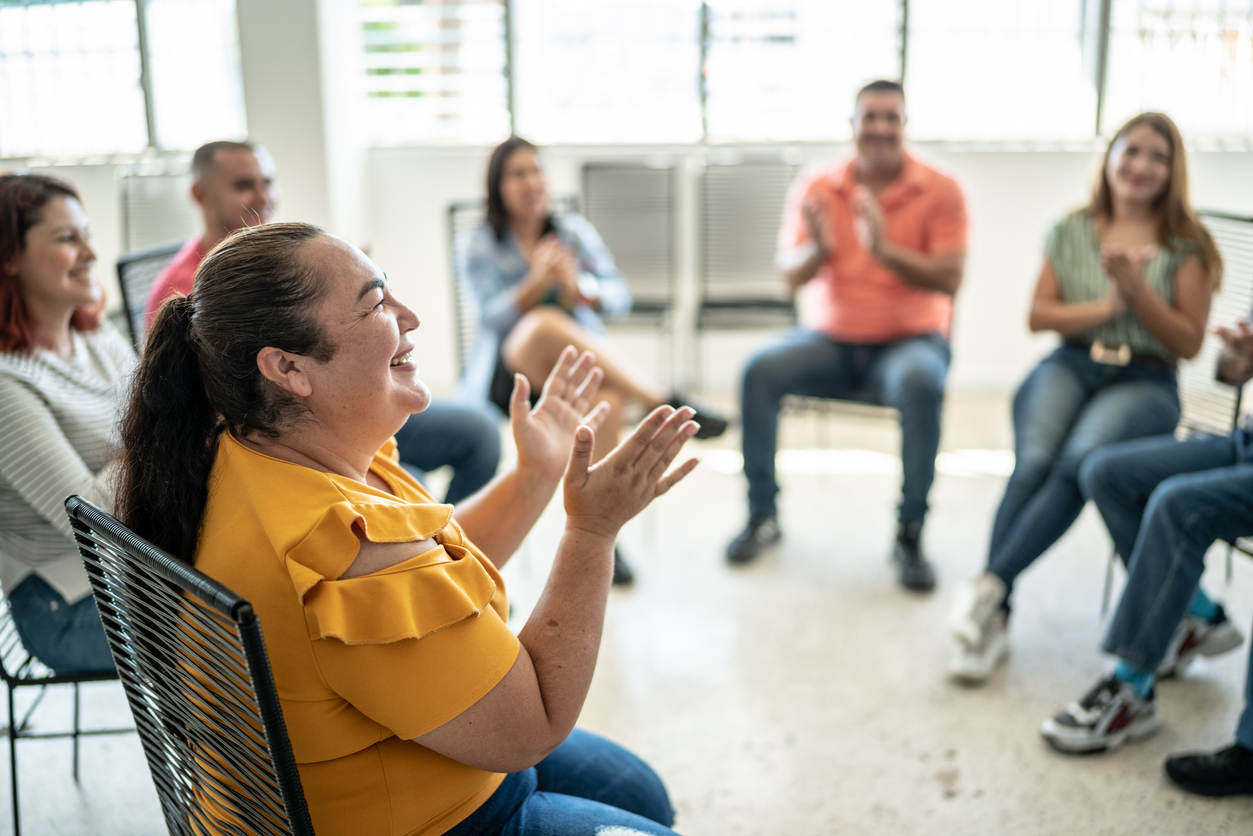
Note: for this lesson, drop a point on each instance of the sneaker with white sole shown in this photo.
(1196, 636)
(976, 604)
(974, 663)
(1106, 717)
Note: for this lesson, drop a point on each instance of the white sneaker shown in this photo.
(975, 663)
(1106, 717)
(1198, 636)
(975, 606)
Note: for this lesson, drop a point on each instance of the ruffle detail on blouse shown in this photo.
(331, 546)
(410, 600)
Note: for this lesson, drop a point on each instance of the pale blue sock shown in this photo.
(1203, 606)
(1141, 680)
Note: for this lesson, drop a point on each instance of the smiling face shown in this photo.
(56, 267)
(370, 385)
(879, 129)
(237, 191)
(522, 188)
(1138, 169)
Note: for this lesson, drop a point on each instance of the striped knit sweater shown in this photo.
(58, 420)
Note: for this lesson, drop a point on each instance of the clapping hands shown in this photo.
(1126, 268)
(869, 219)
(543, 434)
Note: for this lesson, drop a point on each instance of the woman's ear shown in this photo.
(285, 370)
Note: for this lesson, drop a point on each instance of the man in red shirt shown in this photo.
(234, 187)
(233, 184)
(874, 247)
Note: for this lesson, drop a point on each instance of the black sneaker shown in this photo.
(711, 423)
(912, 568)
(622, 574)
(753, 540)
(1225, 772)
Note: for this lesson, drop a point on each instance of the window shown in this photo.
(1192, 59)
(69, 79)
(607, 71)
(1001, 69)
(435, 70)
(71, 76)
(197, 92)
(790, 70)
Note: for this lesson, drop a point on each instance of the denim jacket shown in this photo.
(491, 268)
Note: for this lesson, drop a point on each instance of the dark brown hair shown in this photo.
(1177, 220)
(198, 376)
(23, 195)
(497, 215)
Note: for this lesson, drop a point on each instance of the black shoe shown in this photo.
(753, 540)
(912, 568)
(622, 574)
(1225, 772)
(711, 423)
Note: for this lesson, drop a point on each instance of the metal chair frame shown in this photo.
(19, 669)
(193, 662)
(135, 288)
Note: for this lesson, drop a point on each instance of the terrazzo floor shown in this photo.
(805, 694)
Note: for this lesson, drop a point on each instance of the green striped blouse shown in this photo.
(1074, 249)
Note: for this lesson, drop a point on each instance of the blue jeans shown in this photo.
(908, 375)
(68, 638)
(458, 435)
(587, 785)
(1165, 502)
(1067, 407)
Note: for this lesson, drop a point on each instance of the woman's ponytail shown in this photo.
(169, 437)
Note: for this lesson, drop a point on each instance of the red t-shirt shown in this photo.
(176, 279)
(853, 298)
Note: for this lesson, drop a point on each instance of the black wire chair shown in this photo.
(136, 274)
(192, 660)
(20, 670)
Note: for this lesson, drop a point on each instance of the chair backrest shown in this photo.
(463, 217)
(136, 274)
(191, 657)
(1210, 406)
(632, 206)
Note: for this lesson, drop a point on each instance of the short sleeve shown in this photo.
(948, 221)
(793, 231)
(455, 647)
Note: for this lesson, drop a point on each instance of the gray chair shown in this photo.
(193, 662)
(136, 274)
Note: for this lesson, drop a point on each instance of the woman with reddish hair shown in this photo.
(62, 370)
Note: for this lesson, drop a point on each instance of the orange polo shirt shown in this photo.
(853, 298)
(365, 664)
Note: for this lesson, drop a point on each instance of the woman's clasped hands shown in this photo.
(1126, 268)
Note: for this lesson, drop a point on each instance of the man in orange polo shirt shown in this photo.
(874, 247)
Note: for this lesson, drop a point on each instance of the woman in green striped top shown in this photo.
(1126, 282)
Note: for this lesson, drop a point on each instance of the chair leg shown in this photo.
(1109, 582)
(76, 732)
(1231, 547)
(17, 824)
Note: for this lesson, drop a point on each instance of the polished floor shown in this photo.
(806, 694)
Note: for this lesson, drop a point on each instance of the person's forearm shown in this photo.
(799, 265)
(1069, 318)
(563, 633)
(1234, 368)
(530, 291)
(929, 272)
(499, 516)
(1177, 331)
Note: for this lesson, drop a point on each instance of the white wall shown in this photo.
(1013, 197)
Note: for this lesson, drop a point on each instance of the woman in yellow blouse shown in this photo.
(258, 442)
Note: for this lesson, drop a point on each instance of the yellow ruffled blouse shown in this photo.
(365, 664)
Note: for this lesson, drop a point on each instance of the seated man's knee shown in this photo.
(1172, 504)
(1098, 473)
(919, 383)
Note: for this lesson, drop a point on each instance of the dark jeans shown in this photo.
(908, 375)
(1067, 407)
(68, 638)
(464, 437)
(1165, 502)
(586, 787)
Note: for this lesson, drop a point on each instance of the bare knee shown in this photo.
(540, 332)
